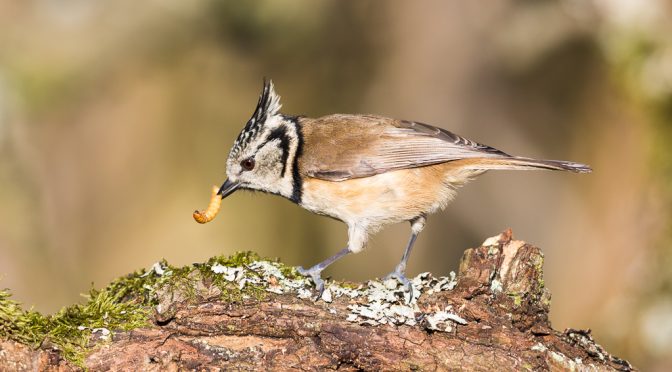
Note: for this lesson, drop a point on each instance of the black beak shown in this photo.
(227, 188)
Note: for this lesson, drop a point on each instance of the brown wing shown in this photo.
(340, 147)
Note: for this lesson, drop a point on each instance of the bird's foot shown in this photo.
(401, 278)
(315, 274)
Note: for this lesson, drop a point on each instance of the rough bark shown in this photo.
(500, 322)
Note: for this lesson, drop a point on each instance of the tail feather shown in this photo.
(520, 163)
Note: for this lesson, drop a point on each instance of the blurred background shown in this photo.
(117, 117)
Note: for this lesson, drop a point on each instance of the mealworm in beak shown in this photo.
(213, 208)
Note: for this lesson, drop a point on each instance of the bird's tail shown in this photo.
(520, 163)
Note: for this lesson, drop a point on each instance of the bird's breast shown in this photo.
(384, 198)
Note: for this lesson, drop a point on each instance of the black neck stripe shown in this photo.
(297, 182)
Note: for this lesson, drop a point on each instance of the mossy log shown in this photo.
(243, 314)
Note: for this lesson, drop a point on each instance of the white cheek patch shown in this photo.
(269, 162)
(266, 175)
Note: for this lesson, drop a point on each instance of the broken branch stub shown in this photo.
(510, 273)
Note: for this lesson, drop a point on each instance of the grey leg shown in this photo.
(417, 225)
(316, 271)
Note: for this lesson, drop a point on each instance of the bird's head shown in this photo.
(263, 156)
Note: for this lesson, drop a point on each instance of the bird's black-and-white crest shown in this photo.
(268, 106)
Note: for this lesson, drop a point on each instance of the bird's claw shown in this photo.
(316, 277)
(401, 278)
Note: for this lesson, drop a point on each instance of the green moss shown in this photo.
(70, 329)
(19, 325)
(289, 271)
(230, 291)
(126, 303)
(237, 259)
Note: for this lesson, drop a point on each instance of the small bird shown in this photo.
(364, 170)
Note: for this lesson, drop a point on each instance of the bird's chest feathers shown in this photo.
(369, 198)
(384, 198)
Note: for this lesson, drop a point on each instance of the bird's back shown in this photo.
(339, 147)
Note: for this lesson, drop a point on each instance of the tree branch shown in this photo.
(492, 316)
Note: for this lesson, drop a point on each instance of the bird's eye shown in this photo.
(247, 164)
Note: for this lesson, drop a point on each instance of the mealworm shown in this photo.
(213, 208)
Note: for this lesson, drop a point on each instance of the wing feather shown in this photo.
(340, 147)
